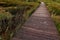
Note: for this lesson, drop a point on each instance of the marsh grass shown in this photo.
(13, 16)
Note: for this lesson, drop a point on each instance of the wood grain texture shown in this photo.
(38, 27)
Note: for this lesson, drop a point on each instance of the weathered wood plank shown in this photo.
(38, 27)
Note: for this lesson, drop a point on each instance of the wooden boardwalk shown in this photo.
(38, 27)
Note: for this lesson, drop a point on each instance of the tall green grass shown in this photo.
(57, 22)
(14, 16)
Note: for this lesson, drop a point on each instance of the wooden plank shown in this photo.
(38, 27)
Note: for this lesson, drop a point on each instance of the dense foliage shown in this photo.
(13, 14)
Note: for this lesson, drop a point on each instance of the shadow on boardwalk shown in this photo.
(38, 27)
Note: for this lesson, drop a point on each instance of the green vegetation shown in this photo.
(57, 22)
(13, 13)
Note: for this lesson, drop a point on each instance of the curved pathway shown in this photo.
(38, 27)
